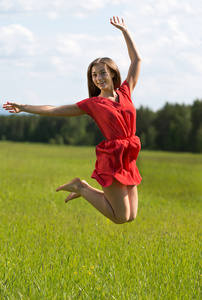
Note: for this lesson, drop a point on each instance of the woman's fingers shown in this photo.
(117, 22)
(117, 18)
(11, 107)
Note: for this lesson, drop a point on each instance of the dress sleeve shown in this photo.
(125, 90)
(85, 105)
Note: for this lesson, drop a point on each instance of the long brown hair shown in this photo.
(93, 90)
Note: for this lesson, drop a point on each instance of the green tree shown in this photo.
(173, 124)
(196, 133)
(145, 128)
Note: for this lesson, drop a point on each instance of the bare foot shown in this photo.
(72, 196)
(72, 186)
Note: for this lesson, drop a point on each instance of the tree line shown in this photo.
(174, 127)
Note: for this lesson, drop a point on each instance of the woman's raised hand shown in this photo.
(13, 108)
(115, 21)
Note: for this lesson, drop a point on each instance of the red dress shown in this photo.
(117, 155)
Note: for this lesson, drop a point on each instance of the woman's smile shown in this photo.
(101, 84)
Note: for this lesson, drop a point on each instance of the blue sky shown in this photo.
(46, 47)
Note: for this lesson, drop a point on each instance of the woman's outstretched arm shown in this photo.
(134, 69)
(45, 110)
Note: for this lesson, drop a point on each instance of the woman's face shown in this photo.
(102, 77)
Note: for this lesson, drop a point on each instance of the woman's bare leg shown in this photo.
(117, 195)
(112, 202)
(133, 200)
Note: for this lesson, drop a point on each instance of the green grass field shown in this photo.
(52, 250)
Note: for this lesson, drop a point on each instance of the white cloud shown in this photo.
(52, 15)
(93, 4)
(6, 5)
(60, 49)
(68, 45)
(170, 42)
(53, 8)
(16, 41)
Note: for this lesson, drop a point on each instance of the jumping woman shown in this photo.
(111, 107)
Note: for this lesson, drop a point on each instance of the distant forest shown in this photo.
(173, 128)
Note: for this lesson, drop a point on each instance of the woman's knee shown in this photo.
(132, 217)
(125, 218)
(133, 214)
(121, 218)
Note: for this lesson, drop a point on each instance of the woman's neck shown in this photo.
(108, 94)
